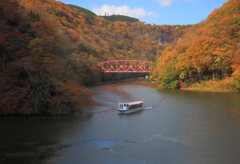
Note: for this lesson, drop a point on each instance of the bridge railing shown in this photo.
(125, 66)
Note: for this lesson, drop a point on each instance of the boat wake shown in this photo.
(150, 107)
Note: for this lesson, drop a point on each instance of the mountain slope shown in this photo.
(122, 18)
(49, 51)
(89, 13)
(206, 51)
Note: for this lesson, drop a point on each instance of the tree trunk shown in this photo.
(199, 75)
(213, 76)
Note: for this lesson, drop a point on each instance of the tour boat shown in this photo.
(130, 107)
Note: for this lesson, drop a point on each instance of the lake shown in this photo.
(179, 127)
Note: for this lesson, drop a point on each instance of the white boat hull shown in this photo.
(129, 110)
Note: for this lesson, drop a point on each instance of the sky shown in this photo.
(158, 12)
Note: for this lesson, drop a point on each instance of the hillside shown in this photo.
(88, 13)
(112, 18)
(208, 51)
(121, 18)
(49, 52)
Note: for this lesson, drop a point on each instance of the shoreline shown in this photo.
(207, 90)
(114, 81)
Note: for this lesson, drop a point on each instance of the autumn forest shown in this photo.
(49, 53)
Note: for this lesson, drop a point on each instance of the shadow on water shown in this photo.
(36, 139)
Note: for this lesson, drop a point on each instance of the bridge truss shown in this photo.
(125, 66)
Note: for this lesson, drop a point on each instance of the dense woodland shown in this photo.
(49, 51)
(208, 51)
(121, 18)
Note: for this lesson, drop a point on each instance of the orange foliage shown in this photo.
(49, 50)
(206, 50)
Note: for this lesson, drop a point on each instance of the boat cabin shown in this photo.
(130, 106)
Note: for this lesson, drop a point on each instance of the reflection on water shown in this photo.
(35, 139)
(177, 127)
(102, 144)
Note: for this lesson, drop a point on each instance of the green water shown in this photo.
(183, 127)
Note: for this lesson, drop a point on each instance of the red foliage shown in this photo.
(182, 84)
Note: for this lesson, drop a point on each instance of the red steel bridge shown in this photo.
(125, 66)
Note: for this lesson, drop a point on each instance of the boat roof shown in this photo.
(133, 103)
